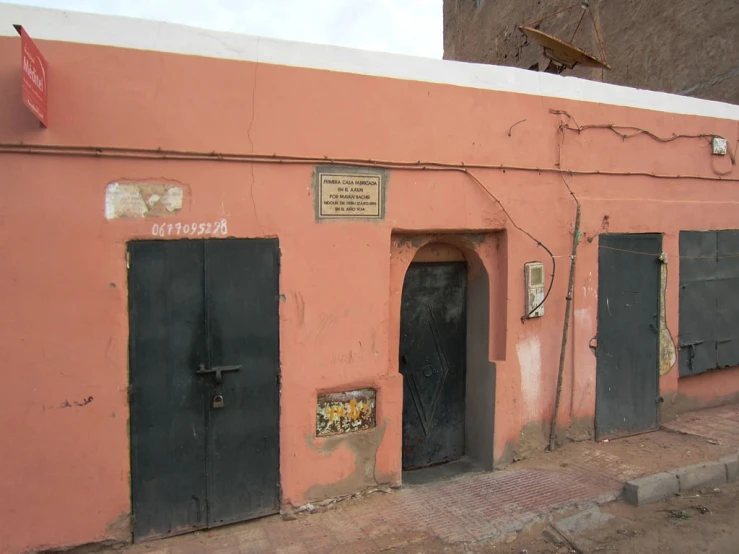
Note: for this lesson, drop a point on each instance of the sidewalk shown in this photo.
(475, 506)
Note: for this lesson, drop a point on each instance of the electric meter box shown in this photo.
(534, 283)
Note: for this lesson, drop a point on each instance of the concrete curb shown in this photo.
(661, 486)
(707, 474)
(651, 488)
(732, 467)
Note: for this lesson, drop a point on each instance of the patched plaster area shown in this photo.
(529, 359)
(139, 200)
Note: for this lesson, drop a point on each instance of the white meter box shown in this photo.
(534, 285)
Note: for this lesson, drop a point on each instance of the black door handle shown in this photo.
(218, 371)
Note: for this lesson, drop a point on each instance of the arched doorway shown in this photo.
(484, 258)
(433, 357)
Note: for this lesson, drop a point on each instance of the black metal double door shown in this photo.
(432, 361)
(627, 374)
(204, 392)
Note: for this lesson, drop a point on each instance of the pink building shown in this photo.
(241, 274)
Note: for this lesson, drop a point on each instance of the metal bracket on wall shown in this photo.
(691, 351)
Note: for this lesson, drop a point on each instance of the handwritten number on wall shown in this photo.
(190, 229)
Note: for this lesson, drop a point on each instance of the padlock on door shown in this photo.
(218, 401)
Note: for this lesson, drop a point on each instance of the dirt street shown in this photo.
(705, 522)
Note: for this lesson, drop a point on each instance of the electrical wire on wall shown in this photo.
(529, 235)
(183, 155)
(626, 132)
(156, 154)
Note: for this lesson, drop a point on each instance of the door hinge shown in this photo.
(128, 259)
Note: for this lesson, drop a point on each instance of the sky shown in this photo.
(412, 27)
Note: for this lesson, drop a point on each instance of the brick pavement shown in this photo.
(468, 508)
(718, 424)
(474, 506)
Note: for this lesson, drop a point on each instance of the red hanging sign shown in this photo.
(34, 85)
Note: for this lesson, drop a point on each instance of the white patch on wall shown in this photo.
(588, 285)
(139, 200)
(583, 320)
(529, 359)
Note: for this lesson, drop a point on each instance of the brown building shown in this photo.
(686, 47)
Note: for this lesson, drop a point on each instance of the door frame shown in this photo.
(480, 398)
(278, 367)
(658, 284)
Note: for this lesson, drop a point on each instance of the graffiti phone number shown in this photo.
(190, 229)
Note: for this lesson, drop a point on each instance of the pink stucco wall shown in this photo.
(64, 475)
